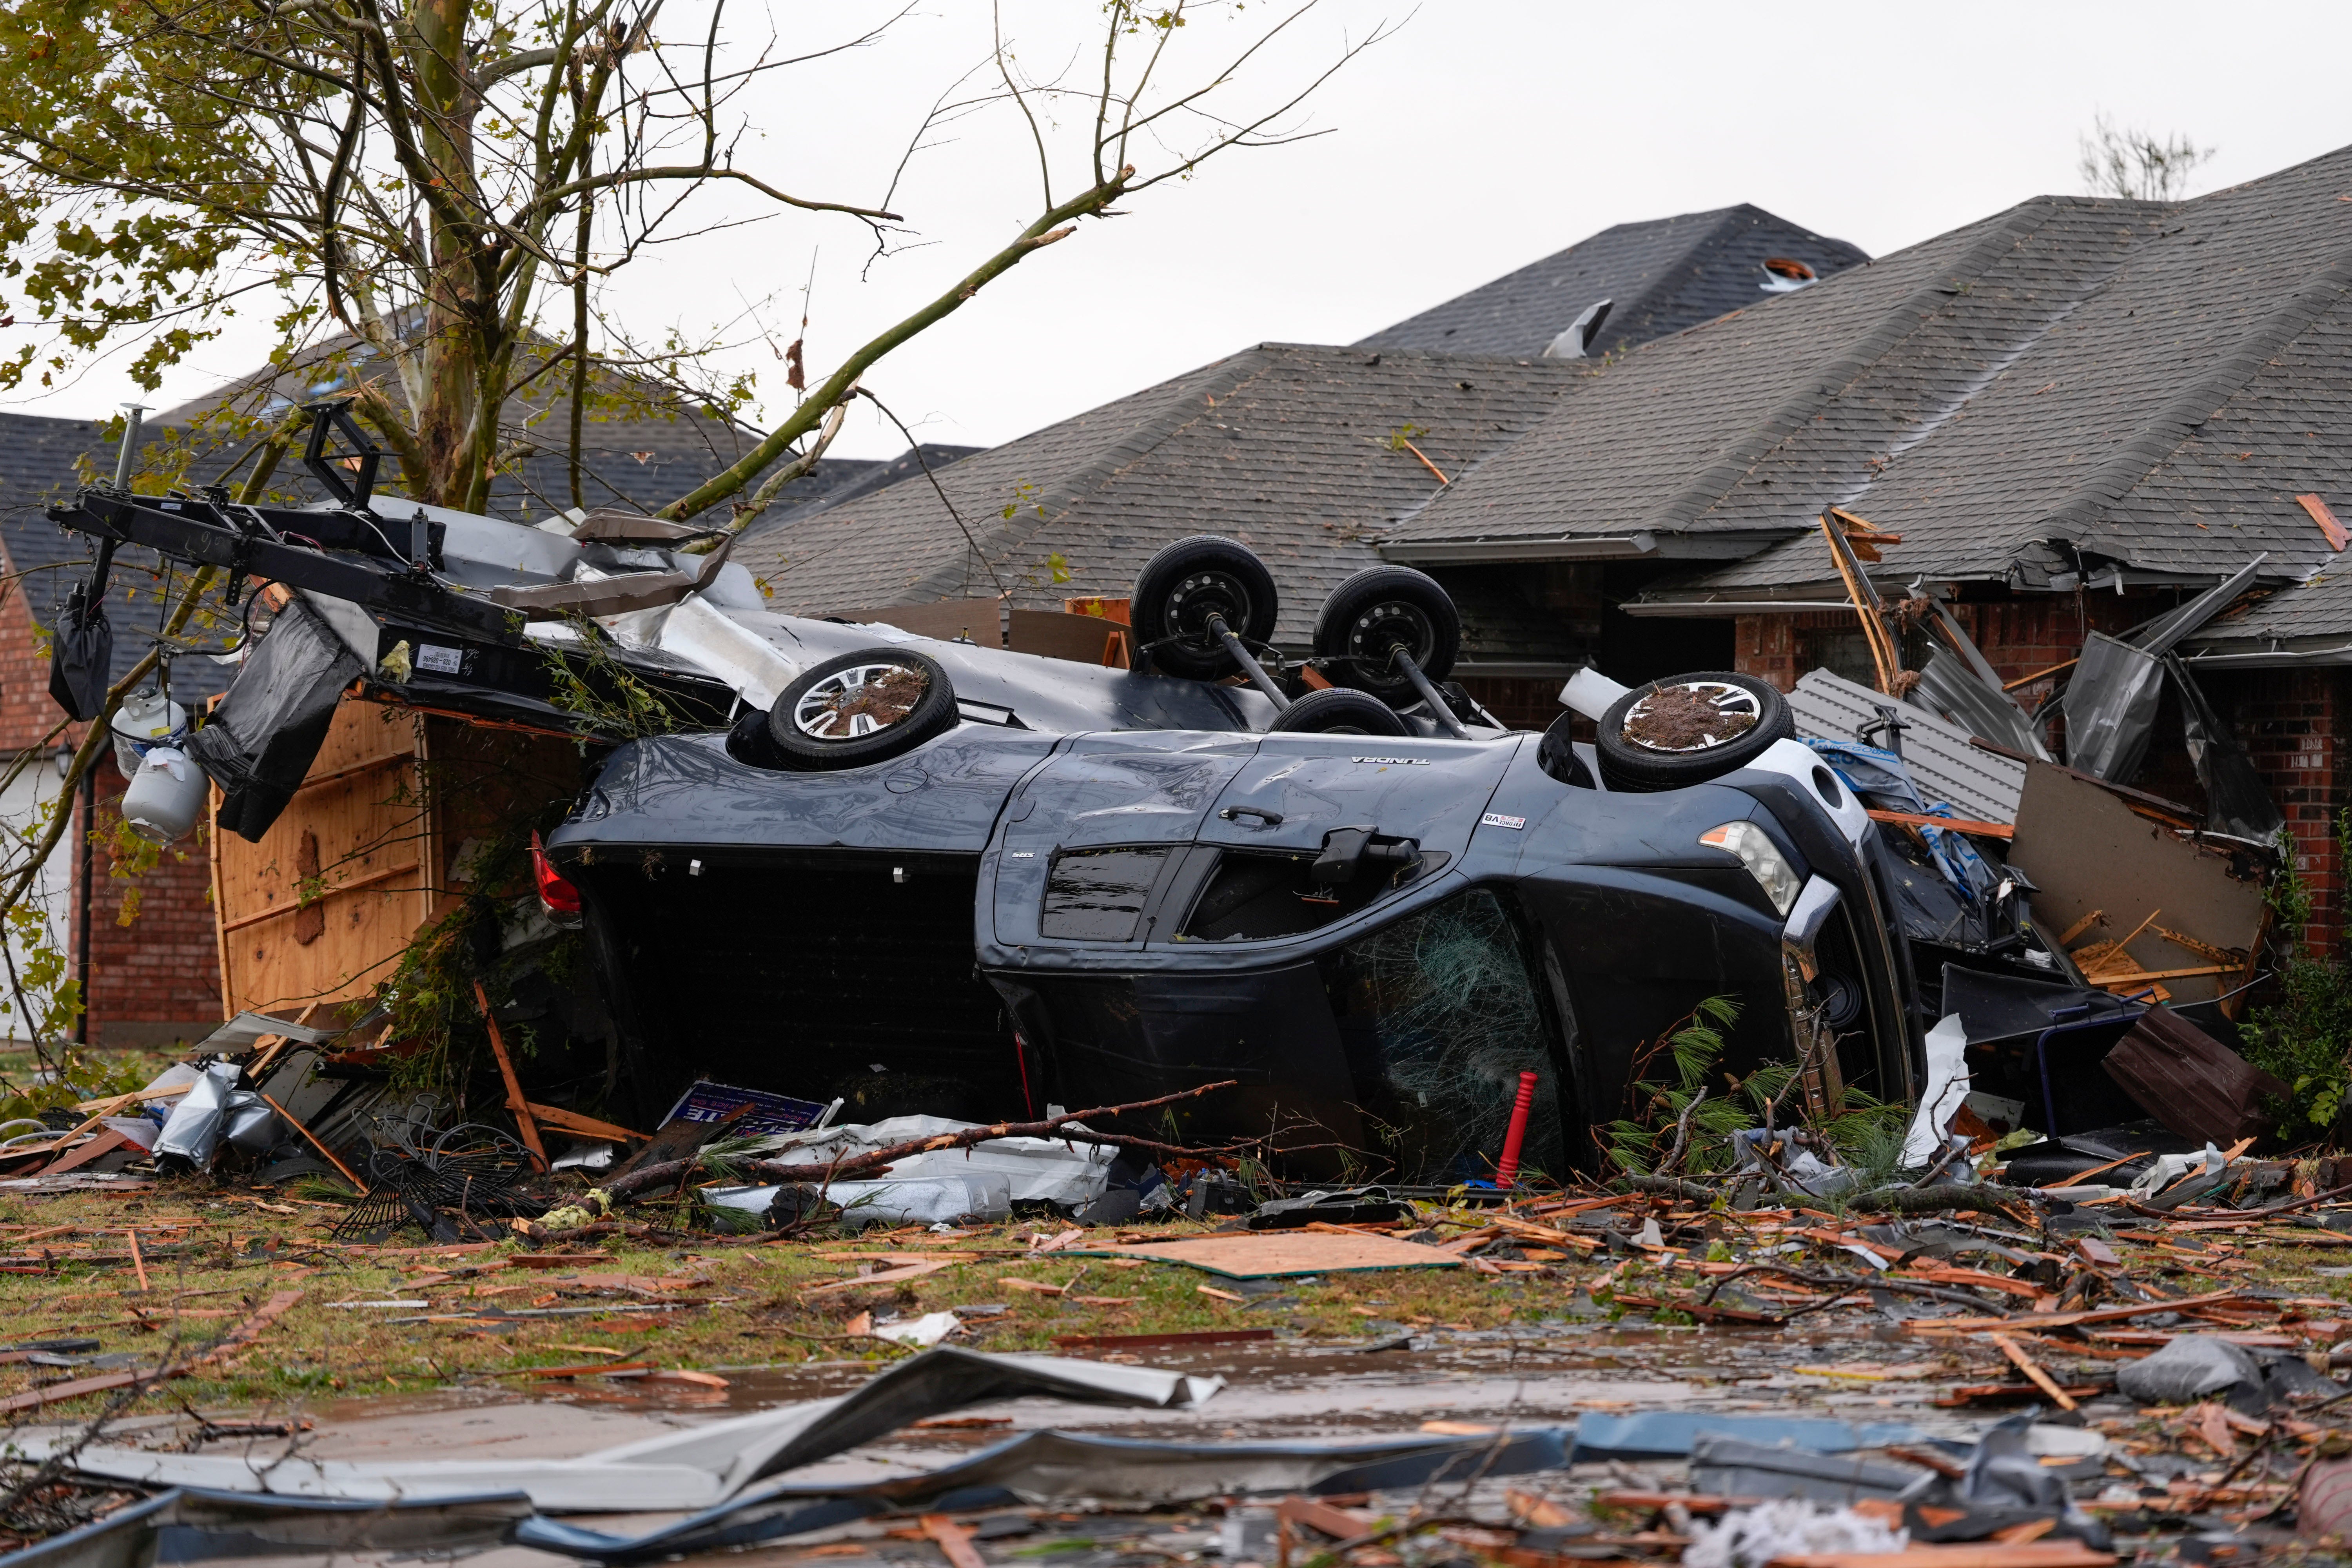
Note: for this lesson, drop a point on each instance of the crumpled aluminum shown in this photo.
(192, 1136)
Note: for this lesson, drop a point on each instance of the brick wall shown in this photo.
(1523, 702)
(2292, 722)
(157, 979)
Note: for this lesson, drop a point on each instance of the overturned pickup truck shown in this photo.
(970, 881)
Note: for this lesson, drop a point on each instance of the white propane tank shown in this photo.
(147, 718)
(166, 796)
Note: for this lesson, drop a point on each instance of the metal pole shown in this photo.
(81, 915)
(129, 449)
(1431, 698)
(1250, 666)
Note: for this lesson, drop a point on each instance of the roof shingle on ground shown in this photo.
(1661, 276)
(2067, 385)
(1295, 450)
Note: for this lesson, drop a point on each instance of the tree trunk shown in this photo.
(453, 307)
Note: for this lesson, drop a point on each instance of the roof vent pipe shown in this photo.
(1577, 341)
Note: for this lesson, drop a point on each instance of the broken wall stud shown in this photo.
(515, 1100)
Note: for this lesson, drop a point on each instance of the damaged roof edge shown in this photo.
(1646, 544)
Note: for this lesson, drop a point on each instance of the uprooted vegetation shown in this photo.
(1683, 1122)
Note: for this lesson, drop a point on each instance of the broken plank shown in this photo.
(585, 1126)
(2033, 1370)
(1953, 824)
(953, 1541)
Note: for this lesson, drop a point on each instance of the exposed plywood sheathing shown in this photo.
(390, 803)
(364, 805)
(2086, 851)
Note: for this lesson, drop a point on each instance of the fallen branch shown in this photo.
(1843, 1284)
(1674, 1187)
(878, 1159)
(1928, 1200)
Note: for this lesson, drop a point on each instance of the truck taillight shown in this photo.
(556, 896)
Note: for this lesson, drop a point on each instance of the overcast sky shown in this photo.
(1484, 133)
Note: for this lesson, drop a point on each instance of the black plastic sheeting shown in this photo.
(81, 655)
(2110, 700)
(2111, 707)
(2235, 801)
(268, 728)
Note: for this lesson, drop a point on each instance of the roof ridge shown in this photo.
(1668, 281)
(1000, 538)
(1895, 325)
(2078, 521)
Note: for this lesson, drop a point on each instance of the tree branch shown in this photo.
(1038, 234)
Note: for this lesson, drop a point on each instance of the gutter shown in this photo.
(2274, 659)
(1480, 551)
(1697, 608)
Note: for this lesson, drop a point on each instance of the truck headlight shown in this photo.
(1763, 859)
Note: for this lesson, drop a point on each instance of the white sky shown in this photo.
(1485, 133)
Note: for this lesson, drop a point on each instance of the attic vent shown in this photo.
(1577, 341)
(1785, 275)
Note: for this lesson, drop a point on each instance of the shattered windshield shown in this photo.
(1439, 1016)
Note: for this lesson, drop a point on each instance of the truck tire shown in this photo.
(1377, 611)
(1674, 745)
(1337, 710)
(1179, 588)
(861, 708)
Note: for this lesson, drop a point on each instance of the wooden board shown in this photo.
(357, 826)
(383, 821)
(1269, 1255)
(2087, 850)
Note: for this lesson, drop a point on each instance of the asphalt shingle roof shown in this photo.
(2072, 382)
(1287, 447)
(1660, 277)
(38, 466)
(638, 460)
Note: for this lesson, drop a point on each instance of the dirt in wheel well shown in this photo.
(1680, 719)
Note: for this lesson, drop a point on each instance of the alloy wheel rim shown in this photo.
(1722, 695)
(860, 700)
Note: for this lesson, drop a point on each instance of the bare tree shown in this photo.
(2134, 165)
(413, 187)
(427, 182)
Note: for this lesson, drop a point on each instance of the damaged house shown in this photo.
(1308, 453)
(1271, 810)
(2073, 416)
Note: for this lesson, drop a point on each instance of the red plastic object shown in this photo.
(1507, 1172)
(558, 897)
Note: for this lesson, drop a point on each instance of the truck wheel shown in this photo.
(1688, 729)
(1379, 610)
(860, 708)
(1189, 581)
(1337, 710)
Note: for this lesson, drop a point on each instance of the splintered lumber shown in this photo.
(1954, 823)
(312, 1139)
(2033, 1370)
(555, 1116)
(515, 1102)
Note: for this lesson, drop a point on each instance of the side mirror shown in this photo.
(1347, 849)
